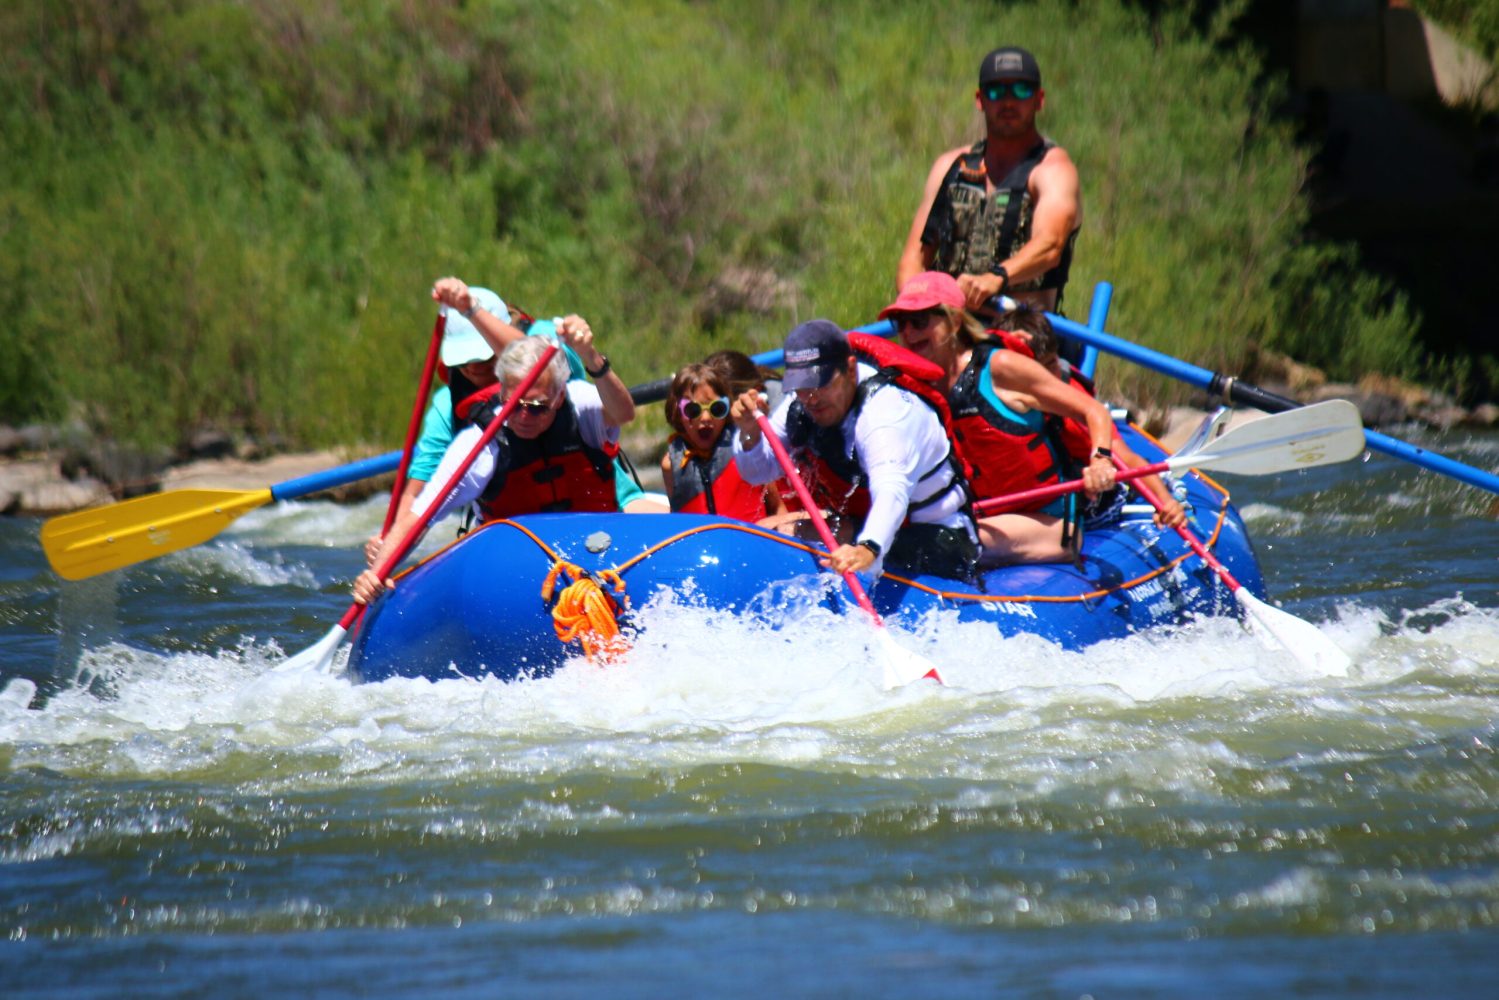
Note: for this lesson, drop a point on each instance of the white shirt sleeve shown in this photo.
(758, 464)
(890, 452)
(470, 486)
(589, 406)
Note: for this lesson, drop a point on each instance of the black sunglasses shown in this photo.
(718, 409)
(1019, 89)
(917, 320)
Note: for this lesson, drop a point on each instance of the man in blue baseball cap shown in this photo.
(1001, 216)
(874, 455)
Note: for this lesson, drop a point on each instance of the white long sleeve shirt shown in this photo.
(896, 439)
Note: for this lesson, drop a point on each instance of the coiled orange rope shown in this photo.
(586, 612)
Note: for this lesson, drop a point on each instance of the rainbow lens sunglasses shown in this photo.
(1018, 89)
(718, 409)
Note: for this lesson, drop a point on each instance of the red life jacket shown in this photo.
(1014, 342)
(1008, 452)
(832, 474)
(557, 471)
(712, 485)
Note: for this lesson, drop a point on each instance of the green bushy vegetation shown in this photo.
(228, 212)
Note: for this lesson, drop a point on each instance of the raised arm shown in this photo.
(619, 408)
(454, 293)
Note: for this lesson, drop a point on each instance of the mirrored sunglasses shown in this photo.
(1018, 89)
(718, 409)
(535, 407)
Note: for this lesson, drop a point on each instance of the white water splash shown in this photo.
(710, 688)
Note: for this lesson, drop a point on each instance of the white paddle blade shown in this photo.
(318, 657)
(1319, 434)
(1300, 638)
(901, 665)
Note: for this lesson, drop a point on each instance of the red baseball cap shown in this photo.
(927, 289)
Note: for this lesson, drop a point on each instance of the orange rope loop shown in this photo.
(586, 612)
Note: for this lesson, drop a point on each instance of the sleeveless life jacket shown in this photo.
(557, 471)
(1008, 452)
(832, 474)
(712, 485)
(974, 230)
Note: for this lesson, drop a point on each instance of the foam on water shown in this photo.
(704, 688)
(224, 559)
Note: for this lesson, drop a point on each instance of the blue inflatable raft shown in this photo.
(484, 605)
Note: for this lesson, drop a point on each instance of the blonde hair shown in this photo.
(967, 331)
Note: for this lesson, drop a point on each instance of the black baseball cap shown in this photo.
(815, 352)
(1009, 63)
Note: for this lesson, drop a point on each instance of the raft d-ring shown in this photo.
(586, 613)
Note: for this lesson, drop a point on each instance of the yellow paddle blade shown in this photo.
(89, 542)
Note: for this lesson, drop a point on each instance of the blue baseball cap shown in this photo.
(815, 352)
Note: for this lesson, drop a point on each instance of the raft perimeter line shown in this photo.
(622, 568)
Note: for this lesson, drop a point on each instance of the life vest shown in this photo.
(712, 485)
(557, 471)
(1007, 451)
(832, 474)
(974, 230)
(465, 398)
(1014, 342)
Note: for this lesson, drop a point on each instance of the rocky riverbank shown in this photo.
(46, 471)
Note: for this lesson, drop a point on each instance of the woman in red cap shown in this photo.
(999, 400)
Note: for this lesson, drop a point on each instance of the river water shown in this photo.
(737, 810)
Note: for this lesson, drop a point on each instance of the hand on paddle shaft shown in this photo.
(747, 411)
(320, 655)
(1297, 439)
(1236, 391)
(411, 524)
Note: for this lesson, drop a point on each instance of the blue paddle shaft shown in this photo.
(1239, 392)
(341, 476)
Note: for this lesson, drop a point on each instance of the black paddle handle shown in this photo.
(1230, 388)
(650, 392)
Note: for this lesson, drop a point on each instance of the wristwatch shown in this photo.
(602, 370)
(1004, 279)
(872, 545)
(1101, 452)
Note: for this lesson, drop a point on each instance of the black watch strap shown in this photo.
(872, 545)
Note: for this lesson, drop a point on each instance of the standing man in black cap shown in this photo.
(875, 454)
(1001, 215)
